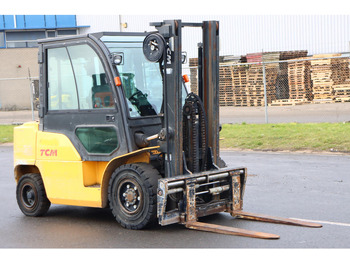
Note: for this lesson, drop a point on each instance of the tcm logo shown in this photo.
(48, 152)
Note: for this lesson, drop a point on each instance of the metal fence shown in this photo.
(20, 93)
(266, 89)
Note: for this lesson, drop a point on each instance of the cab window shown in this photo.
(77, 79)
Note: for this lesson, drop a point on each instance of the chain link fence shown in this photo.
(277, 85)
(270, 87)
(18, 78)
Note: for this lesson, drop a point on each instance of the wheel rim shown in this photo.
(129, 196)
(29, 196)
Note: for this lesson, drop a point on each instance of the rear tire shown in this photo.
(132, 195)
(31, 195)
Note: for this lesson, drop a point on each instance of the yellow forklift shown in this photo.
(117, 129)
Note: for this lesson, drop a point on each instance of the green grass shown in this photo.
(316, 137)
(333, 137)
(6, 134)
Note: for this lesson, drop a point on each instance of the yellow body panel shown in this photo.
(24, 146)
(64, 184)
(57, 147)
(67, 179)
(64, 173)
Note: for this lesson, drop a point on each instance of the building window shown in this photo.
(67, 32)
(24, 39)
(51, 33)
(2, 39)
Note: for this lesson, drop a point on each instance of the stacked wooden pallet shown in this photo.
(225, 85)
(193, 63)
(289, 102)
(321, 72)
(253, 93)
(263, 57)
(340, 70)
(299, 80)
(341, 78)
(286, 55)
(342, 92)
(282, 87)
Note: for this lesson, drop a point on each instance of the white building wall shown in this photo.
(98, 23)
(242, 34)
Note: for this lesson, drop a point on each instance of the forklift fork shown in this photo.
(226, 186)
(192, 223)
(248, 233)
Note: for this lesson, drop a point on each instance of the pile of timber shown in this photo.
(253, 93)
(299, 80)
(289, 102)
(263, 57)
(341, 79)
(282, 87)
(342, 92)
(193, 63)
(321, 72)
(225, 85)
(325, 80)
(328, 74)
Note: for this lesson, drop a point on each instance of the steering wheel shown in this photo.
(132, 97)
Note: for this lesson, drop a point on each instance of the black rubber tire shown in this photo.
(31, 195)
(137, 209)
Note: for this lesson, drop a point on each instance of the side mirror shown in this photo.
(117, 58)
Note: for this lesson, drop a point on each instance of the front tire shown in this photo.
(132, 195)
(31, 195)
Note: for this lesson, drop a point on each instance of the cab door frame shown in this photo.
(66, 121)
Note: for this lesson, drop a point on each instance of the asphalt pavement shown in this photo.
(304, 186)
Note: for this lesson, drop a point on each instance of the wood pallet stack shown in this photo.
(239, 78)
(253, 93)
(287, 55)
(282, 87)
(342, 92)
(340, 70)
(228, 79)
(341, 79)
(248, 80)
(193, 63)
(289, 102)
(225, 85)
(321, 72)
(299, 80)
(328, 74)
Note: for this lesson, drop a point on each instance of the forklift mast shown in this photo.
(171, 138)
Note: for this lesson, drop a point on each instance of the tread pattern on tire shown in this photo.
(44, 204)
(150, 176)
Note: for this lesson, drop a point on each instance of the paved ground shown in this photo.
(338, 112)
(313, 187)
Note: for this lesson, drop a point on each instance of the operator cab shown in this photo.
(82, 100)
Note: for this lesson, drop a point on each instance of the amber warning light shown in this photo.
(186, 78)
(117, 81)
